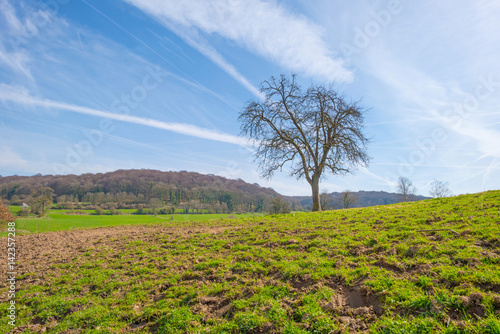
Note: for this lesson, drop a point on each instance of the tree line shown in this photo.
(146, 191)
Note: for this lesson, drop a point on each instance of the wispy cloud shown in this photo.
(10, 16)
(17, 30)
(200, 44)
(10, 158)
(266, 28)
(384, 180)
(8, 94)
(16, 61)
(438, 103)
(197, 45)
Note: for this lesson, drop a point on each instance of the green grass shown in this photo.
(62, 222)
(14, 209)
(346, 271)
(92, 212)
(55, 221)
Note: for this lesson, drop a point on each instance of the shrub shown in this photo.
(5, 214)
(115, 212)
(23, 212)
(278, 205)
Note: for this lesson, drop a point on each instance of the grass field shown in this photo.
(56, 221)
(359, 270)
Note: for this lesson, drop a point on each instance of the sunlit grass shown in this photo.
(282, 273)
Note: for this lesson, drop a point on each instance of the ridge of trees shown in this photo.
(190, 191)
(363, 199)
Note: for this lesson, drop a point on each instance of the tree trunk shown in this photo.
(315, 193)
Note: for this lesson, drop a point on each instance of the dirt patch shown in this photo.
(388, 266)
(352, 300)
(490, 287)
(401, 269)
(354, 307)
(360, 250)
(36, 253)
(302, 282)
(488, 244)
(211, 307)
(357, 297)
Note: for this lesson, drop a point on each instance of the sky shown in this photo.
(91, 86)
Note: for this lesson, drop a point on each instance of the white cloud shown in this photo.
(11, 158)
(204, 48)
(10, 94)
(265, 28)
(10, 16)
(440, 103)
(443, 104)
(16, 31)
(16, 61)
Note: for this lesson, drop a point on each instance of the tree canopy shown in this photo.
(305, 132)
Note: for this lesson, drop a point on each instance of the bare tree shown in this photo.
(325, 200)
(406, 189)
(309, 131)
(347, 199)
(278, 205)
(440, 189)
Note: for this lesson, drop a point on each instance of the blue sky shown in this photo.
(96, 86)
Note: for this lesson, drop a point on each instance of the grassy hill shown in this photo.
(346, 271)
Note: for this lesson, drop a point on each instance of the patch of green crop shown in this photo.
(61, 220)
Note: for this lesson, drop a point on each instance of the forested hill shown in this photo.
(140, 186)
(189, 191)
(361, 199)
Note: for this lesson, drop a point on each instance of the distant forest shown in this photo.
(361, 199)
(152, 191)
(136, 189)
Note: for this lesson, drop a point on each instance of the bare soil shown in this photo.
(35, 253)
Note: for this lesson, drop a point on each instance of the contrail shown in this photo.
(182, 128)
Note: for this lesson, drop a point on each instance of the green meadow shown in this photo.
(422, 267)
(55, 220)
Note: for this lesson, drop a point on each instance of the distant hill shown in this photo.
(190, 191)
(364, 198)
(126, 187)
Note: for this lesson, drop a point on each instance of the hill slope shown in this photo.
(357, 270)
